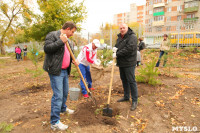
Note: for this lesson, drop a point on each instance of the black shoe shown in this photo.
(133, 106)
(122, 100)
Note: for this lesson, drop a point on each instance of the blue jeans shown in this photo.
(60, 87)
(85, 70)
(127, 75)
(165, 59)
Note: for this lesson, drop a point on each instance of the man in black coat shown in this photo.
(58, 65)
(125, 51)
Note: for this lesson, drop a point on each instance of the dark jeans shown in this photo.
(127, 75)
(165, 59)
(18, 56)
(60, 87)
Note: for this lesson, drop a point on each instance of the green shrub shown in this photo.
(148, 74)
(4, 127)
(34, 55)
(105, 56)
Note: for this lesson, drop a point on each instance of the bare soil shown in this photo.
(176, 102)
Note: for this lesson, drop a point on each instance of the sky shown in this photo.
(102, 11)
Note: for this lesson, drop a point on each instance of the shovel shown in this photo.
(108, 111)
(73, 58)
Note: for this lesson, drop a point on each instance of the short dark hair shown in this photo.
(140, 39)
(165, 35)
(70, 25)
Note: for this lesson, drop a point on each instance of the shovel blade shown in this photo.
(107, 111)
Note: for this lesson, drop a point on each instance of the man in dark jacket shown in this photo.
(125, 51)
(58, 65)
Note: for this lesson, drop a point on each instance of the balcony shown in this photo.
(158, 23)
(158, 5)
(191, 9)
(158, 13)
(191, 19)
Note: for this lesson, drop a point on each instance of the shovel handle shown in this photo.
(111, 80)
(79, 71)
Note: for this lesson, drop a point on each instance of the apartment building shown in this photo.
(170, 16)
(136, 14)
(121, 18)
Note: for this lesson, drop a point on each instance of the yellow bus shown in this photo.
(185, 39)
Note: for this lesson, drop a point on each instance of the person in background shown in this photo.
(164, 48)
(141, 47)
(18, 52)
(86, 57)
(125, 51)
(58, 65)
(25, 51)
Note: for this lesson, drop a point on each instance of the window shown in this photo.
(179, 18)
(190, 16)
(168, 18)
(159, 18)
(179, 8)
(150, 12)
(169, 1)
(186, 5)
(149, 29)
(168, 28)
(158, 9)
(159, 29)
(197, 35)
(187, 36)
(151, 2)
(169, 9)
(180, 36)
(150, 20)
(178, 27)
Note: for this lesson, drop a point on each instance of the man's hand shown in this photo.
(97, 62)
(76, 63)
(114, 49)
(114, 52)
(63, 37)
(114, 55)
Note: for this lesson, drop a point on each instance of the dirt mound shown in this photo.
(88, 114)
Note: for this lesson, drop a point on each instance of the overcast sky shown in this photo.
(102, 11)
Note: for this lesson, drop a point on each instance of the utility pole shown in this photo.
(178, 33)
(139, 29)
(88, 37)
(110, 35)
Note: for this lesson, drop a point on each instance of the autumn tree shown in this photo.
(137, 28)
(12, 14)
(54, 14)
(105, 32)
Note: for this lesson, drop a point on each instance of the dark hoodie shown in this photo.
(127, 49)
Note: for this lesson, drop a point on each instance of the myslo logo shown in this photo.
(184, 128)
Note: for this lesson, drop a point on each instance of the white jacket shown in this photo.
(87, 55)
